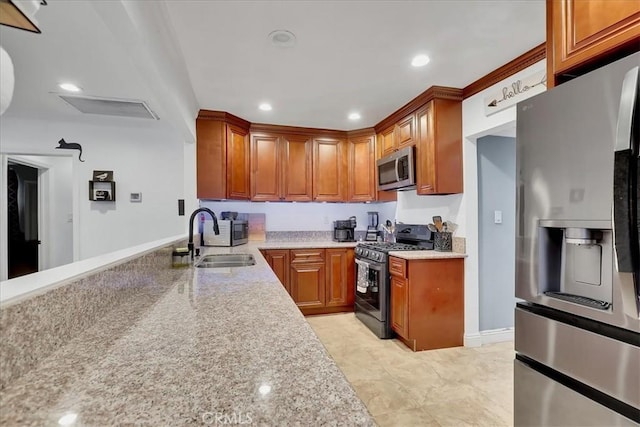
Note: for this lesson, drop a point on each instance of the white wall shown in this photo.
(414, 209)
(145, 156)
(288, 216)
(476, 124)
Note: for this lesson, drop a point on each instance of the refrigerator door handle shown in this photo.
(627, 107)
(625, 188)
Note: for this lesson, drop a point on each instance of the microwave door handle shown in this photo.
(397, 172)
(624, 222)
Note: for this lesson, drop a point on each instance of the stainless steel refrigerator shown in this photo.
(577, 332)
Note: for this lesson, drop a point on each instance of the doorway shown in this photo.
(23, 219)
(496, 230)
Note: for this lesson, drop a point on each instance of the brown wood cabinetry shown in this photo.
(387, 141)
(405, 132)
(427, 302)
(329, 169)
(222, 156)
(582, 33)
(278, 260)
(318, 280)
(340, 277)
(281, 167)
(362, 168)
(307, 278)
(439, 147)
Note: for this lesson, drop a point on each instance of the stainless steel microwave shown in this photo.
(397, 170)
(232, 233)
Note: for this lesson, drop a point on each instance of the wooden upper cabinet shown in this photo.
(265, 167)
(211, 155)
(580, 32)
(361, 169)
(297, 176)
(329, 169)
(238, 168)
(439, 148)
(387, 141)
(405, 132)
(222, 156)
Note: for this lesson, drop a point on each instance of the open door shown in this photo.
(22, 217)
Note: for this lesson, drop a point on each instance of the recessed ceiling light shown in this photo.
(282, 38)
(265, 107)
(70, 87)
(354, 116)
(420, 60)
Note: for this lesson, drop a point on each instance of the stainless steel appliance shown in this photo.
(372, 227)
(577, 335)
(232, 233)
(344, 230)
(397, 170)
(373, 292)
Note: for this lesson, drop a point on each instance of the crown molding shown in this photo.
(523, 61)
(434, 92)
(224, 117)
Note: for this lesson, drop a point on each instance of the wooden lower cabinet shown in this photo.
(278, 260)
(427, 302)
(319, 281)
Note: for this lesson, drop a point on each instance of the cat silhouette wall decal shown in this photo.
(64, 145)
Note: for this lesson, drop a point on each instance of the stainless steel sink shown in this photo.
(225, 260)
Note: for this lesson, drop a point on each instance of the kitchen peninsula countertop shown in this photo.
(218, 346)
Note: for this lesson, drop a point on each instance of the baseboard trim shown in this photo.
(497, 335)
(472, 340)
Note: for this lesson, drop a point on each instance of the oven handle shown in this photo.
(370, 264)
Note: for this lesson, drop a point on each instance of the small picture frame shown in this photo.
(102, 195)
(136, 197)
(103, 176)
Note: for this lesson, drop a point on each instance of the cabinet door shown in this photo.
(211, 167)
(400, 306)
(278, 260)
(340, 277)
(238, 169)
(405, 132)
(265, 168)
(297, 177)
(361, 169)
(329, 170)
(307, 284)
(584, 30)
(387, 142)
(425, 151)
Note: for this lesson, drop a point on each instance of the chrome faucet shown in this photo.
(216, 230)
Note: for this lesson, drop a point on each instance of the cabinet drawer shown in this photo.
(397, 267)
(306, 255)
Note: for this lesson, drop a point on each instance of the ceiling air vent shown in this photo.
(110, 107)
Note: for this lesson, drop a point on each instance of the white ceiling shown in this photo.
(349, 56)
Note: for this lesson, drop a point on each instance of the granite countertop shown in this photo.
(219, 346)
(426, 254)
(303, 244)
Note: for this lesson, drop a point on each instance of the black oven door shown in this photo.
(370, 288)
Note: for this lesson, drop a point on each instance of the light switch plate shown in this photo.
(497, 217)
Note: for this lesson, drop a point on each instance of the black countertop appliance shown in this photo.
(344, 230)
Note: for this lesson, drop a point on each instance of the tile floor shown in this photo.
(449, 387)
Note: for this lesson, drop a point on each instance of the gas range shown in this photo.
(373, 289)
(378, 251)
